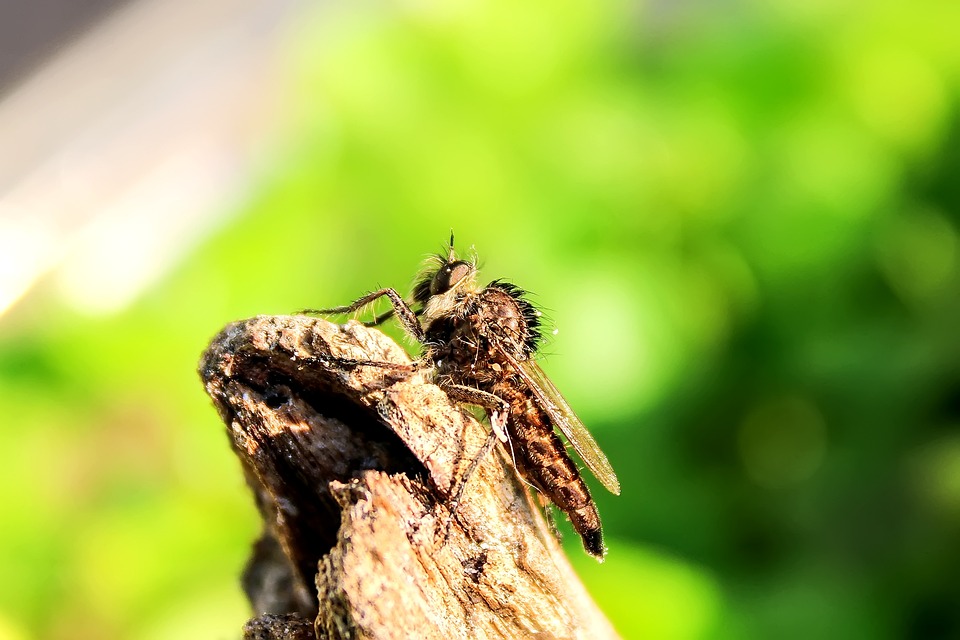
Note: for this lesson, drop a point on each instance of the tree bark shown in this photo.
(353, 467)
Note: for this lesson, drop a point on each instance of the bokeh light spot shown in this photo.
(918, 254)
(782, 441)
(899, 96)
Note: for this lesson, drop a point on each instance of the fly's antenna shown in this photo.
(451, 256)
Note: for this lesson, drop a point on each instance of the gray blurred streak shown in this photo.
(30, 32)
(157, 111)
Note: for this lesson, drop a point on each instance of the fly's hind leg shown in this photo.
(498, 409)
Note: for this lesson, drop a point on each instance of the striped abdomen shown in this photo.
(542, 459)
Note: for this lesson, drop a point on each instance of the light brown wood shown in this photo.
(353, 468)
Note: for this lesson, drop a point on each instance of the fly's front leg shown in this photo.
(380, 319)
(401, 309)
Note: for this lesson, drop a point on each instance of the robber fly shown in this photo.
(480, 344)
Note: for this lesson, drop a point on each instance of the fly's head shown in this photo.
(442, 284)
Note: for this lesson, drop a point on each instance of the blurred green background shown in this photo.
(743, 219)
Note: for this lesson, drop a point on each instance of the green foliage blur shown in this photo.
(743, 220)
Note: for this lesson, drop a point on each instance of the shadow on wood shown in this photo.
(352, 467)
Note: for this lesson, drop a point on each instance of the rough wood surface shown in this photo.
(352, 467)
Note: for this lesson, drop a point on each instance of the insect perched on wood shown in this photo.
(480, 343)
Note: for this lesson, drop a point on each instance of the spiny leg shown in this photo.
(406, 315)
(380, 319)
(393, 372)
(497, 408)
(462, 484)
(454, 504)
(494, 404)
(354, 362)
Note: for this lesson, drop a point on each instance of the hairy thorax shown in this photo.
(466, 346)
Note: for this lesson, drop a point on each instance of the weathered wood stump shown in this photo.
(353, 467)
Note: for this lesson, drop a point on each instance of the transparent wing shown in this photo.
(567, 421)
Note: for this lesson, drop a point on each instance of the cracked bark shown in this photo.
(352, 469)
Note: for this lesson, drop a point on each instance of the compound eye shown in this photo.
(449, 275)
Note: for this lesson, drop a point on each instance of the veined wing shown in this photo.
(567, 421)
